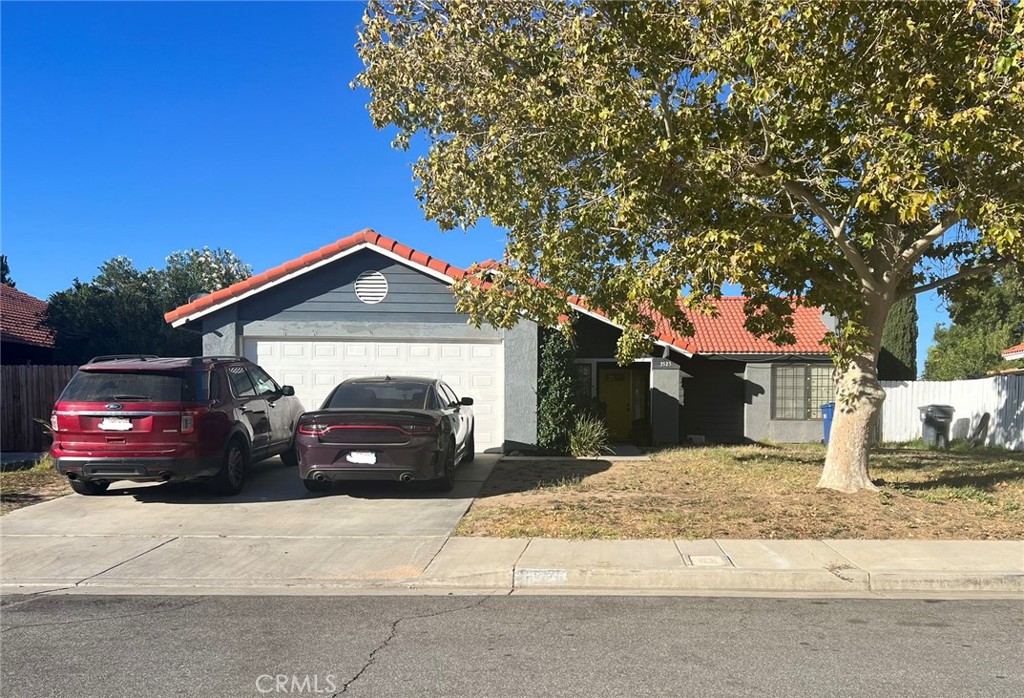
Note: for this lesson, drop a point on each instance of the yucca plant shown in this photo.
(589, 437)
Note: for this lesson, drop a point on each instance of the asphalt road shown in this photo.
(546, 646)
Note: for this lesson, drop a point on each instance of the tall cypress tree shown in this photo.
(898, 359)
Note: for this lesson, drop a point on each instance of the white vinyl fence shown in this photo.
(1001, 397)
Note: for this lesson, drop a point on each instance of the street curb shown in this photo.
(583, 580)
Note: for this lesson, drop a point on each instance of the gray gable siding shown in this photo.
(328, 293)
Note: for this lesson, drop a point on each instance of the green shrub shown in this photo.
(589, 437)
(556, 399)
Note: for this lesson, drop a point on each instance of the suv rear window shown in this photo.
(135, 386)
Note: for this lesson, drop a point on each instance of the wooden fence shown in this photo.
(28, 394)
(1001, 397)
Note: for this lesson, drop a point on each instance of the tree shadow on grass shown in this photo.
(518, 476)
(986, 481)
(17, 500)
(920, 458)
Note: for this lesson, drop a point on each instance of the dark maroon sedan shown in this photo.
(386, 428)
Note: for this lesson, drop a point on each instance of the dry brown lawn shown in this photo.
(754, 492)
(20, 488)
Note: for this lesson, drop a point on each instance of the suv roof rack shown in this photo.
(226, 357)
(120, 357)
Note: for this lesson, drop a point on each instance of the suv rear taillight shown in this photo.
(190, 418)
(53, 422)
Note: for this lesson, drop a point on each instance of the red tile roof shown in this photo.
(1019, 349)
(722, 335)
(20, 315)
(726, 334)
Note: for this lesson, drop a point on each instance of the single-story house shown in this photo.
(1014, 353)
(368, 305)
(23, 340)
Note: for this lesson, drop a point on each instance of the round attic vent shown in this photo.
(371, 287)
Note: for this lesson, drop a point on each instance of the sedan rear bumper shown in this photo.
(402, 463)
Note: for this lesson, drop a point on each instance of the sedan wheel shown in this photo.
(447, 481)
(290, 457)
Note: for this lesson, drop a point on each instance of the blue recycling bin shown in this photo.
(828, 409)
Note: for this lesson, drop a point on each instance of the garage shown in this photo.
(314, 366)
(367, 305)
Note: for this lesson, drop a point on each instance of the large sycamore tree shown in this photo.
(836, 154)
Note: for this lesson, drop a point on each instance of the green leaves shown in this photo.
(121, 310)
(634, 151)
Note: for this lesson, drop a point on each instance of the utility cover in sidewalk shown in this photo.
(707, 561)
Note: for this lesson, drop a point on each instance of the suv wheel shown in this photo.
(231, 478)
(89, 487)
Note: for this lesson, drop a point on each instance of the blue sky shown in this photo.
(142, 128)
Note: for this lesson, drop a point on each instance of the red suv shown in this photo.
(151, 419)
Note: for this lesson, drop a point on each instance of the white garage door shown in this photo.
(314, 367)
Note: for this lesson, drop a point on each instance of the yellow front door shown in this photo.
(615, 390)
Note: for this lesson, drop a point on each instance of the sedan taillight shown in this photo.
(416, 428)
(312, 428)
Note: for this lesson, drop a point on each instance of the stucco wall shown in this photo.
(220, 333)
(521, 386)
(757, 418)
(664, 402)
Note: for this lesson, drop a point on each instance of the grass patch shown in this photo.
(761, 491)
(21, 488)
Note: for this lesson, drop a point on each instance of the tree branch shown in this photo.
(910, 256)
(962, 274)
(835, 227)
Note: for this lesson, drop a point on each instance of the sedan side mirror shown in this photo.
(467, 401)
(287, 390)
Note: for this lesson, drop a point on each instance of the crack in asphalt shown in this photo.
(103, 618)
(394, 632)
(31, 596)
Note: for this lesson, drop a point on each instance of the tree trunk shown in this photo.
(846, 462)
(859, 398)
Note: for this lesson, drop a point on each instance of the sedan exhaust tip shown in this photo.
(320, 477)
(405, 477)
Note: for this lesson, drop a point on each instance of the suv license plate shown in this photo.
(116, 424)
(362, 457)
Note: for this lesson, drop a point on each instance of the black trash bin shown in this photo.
(935, 421)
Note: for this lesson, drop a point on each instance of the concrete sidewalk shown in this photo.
(276, 538)
(289, 565)
(805, 566)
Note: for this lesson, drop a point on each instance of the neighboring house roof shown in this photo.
(722, 335)
(1014, 353)
(20, 317)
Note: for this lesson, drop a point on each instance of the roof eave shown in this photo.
(306, 269)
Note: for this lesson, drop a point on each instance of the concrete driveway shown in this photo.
(273, 534)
